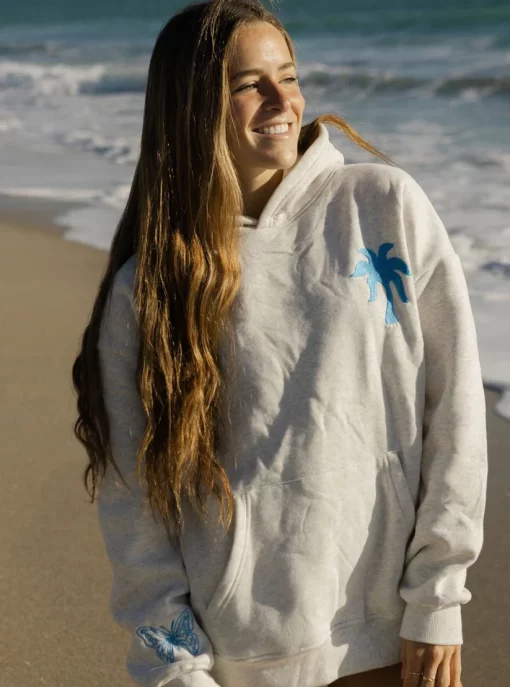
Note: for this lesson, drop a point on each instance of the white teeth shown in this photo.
(280, 129)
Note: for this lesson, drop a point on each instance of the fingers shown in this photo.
(412, 680)
(402, 657)
(412, 669)
(442, 675)
(455, 668)
(421, 661)
(402, 649)
(412, 663)
(436, 664)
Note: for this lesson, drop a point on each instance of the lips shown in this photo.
(257, 129)
(283, 135)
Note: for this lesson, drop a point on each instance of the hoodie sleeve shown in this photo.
(448, 535)
(150, 596)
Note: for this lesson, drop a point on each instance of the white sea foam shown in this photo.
(76, 194)
(92, 225)
(115, 148)
(10, 124)
(117, 198)
(49, 80)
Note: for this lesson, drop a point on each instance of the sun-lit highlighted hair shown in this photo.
(181, 220)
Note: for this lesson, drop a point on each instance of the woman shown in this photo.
(243, 368)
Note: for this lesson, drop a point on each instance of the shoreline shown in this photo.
(35, 214)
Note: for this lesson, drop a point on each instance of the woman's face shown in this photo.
(268, 97)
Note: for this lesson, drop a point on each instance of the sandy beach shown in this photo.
(54, 576)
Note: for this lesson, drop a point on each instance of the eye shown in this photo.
(245, 88)
(290, 79)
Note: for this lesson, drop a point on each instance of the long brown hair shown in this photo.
(181, 220)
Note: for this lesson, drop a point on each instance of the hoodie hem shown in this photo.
(365, 645)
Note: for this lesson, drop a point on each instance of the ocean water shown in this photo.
(427, 84)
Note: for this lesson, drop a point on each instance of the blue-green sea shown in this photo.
(427, 82)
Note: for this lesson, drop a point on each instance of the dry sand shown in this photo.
(55, 624)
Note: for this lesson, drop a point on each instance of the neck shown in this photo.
(256, 191)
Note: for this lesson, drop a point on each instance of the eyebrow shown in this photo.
(259, 72)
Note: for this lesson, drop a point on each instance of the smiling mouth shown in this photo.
(283, 134)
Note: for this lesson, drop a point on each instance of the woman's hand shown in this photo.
(433, 660)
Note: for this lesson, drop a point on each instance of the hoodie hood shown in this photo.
(297, 189)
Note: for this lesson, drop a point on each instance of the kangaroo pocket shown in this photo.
(311, 554)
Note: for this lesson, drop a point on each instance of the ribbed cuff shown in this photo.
(443, 626)
(195, 678)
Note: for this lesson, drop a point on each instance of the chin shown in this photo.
(278, 161)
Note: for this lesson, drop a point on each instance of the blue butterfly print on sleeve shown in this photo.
(180, 635)
(385, 271)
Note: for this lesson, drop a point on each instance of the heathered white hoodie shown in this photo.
(356, 450)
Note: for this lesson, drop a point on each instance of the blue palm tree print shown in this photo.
(384, 270)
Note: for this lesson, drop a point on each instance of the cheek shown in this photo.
(241, 116)
(300, 103)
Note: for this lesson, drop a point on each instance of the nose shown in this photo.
(277, 99)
